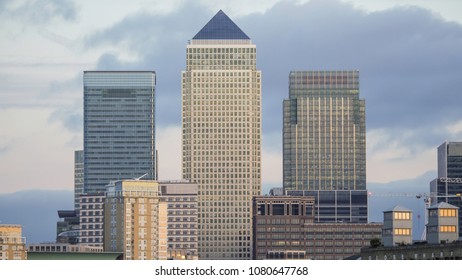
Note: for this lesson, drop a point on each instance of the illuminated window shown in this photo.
(447, 212)
(402, 231)
(402, 215)
(447, 228)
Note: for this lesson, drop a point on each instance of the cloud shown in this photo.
(40, 11)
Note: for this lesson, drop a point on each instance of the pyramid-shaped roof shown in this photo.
(221, 27)
(398, 208)
(443, 205)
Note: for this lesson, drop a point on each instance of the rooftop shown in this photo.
(221, 27)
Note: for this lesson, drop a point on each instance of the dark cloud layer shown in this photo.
(409, 59)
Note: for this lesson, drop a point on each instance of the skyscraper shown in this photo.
(448, 186)
(324, 141)
(324, 144)
(119, 127)
(221, 118)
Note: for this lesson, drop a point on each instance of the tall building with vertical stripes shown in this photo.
(324, 141)
(119, 127)
(221, 119)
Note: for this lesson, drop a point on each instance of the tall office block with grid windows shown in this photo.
(221, 118)
(119, 127)
(324, 141)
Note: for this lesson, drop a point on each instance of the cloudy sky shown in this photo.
(408, 52)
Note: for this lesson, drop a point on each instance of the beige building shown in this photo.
(135, 220)
(397, 226)
(443, 223)
(221, 119)
(12, 244)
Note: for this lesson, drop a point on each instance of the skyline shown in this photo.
(393, 49)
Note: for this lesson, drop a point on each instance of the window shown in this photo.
(402, 231)
(447, 228)
(402, 215)
(447, 212)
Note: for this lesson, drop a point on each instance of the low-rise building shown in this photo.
(397, 226)
(443, 223)
(12, 243)
(284, 229)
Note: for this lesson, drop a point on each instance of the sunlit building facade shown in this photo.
(324, 133)
(135, 220)
(221, 118)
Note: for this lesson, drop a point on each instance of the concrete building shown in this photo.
(181, 200)
(443, 223)
(12, 243)
(78, 178)
(221, 140)
(135, 220)
(324, 134)
(397, 226)
(91, 219)
(119, 127)
(284, 229)
(448, 186)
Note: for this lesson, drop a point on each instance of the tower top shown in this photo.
(221, 27)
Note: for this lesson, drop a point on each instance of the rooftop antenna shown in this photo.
(137, 179)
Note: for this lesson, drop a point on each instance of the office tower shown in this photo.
(78, 178)
(284, 229)
(91, 219)
(181, 199)
(324, 135)
(221, 118)
(12, 243)
(448, 186)
(119, 127)
(324, 144)
(135, 220)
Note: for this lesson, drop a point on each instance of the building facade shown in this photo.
(221, 140)
(119, 127)
(443, 223)
(78, 178)
(448, 186)
(181, 200)
(284, 228)
(337, 206)
(135, 220)
(12, 243)
(324, 134)
(397, 227)
(91, 219)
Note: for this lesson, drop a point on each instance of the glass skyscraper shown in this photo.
(221, 118)
(119, 127)
(324, 141)
(324, 144)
